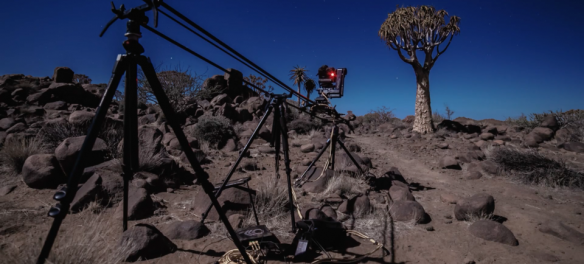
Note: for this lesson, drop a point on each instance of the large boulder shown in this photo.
(550, 122)
(140, 205)
(185, 230)
(542, 133)
(90, 191)
(493, 231)
(6, 123)
(477, 206)
(405, 211)
(400, 193)
(145, 242)
(42, 171)
(67, 152)
(449, 162)
(63, 75)
(254, 104)
(81, 117)
(68, 92)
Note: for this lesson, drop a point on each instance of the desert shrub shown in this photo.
(92, 240)
(271, 201)
(53, 134)
(305, 125)
(182, 87)
(437, 118)
(15, 152)
(573, 119)
(531, 167)
(379, 116)
(215, 130)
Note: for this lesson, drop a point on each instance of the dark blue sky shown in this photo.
(511, 57)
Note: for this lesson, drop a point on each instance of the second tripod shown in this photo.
(277, 105)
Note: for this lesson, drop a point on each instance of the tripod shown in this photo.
(279, 137)
(332, 141)
(127, 64)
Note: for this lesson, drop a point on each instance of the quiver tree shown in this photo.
(424, 29)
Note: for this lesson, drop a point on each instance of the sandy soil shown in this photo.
(23, 220)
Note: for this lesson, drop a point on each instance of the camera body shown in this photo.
(331, 83)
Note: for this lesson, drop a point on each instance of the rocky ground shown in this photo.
(440, 198)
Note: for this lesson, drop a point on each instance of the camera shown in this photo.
(331, 83)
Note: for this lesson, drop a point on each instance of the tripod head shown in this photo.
(136, 15)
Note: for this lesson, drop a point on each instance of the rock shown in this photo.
(236, 220)
(249, 165)
(474, 175)
(550, 122)
(185, 230)
(232, 201)
(81, 117)
(63, 75)
(221, 100)
(400, 193)
(558, 229)
(307, 148)
(329, 212)
(42, 171)
(566, 134)
(16, 128)
(443, 145)
(448, 198)
(316, 184)
(487, 136)
(531, 141)
(490, 167)
(493, 231)
(478, 205)
(145, 242)
(6, 189)
(90, 191)
(266, 149)
(409, 119)
(362, 205)
(67, 152)
(452, 126)
(577, 147)
(498, 142)
(543, 133)
(154, 183)
(449, 162)
(140, 205)
(147, 119)
(503, 138)
(314, 213)
(58, 105)
(404, 211)
(6, 123)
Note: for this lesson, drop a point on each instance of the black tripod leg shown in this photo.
(130, 157)
(253, 207)
(333, 150)
(284, 131)
(202, 176)
(245, 148)
(66, 195)
(277, 139)
(350, 156)
(328, 142)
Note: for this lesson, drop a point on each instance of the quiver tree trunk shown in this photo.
(423, 122)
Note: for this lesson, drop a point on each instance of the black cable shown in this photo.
(232, 50)
(210, 42)
(207, 60)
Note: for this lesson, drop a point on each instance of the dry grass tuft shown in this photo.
(92, 241)
(15, 152)
(531, 167)
(271, 201)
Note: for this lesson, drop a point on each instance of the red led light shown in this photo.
(332, 74)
